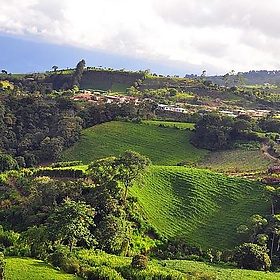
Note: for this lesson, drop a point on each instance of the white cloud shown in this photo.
(219, 35)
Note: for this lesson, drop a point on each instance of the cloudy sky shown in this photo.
(166, 36)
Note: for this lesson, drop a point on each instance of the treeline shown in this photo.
(216, 132)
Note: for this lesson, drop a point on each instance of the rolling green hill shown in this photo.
(30, 269)
(204, 206)
(163, 145)
(236, 160)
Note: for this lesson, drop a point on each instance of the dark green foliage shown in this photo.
(66, 163)
(103, 273)
(7, 162)
(178, 248)
(2, 266)
(37, 238)
(71, 222)
(216, 132)
(36, 128)
(252, 256)
(51, 148)
(59, 172)
(112, 233)
(124, 169)
(62, 258)
(77, 77)
(140, 261)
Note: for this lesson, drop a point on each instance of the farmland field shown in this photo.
(236, 160)
(163, 145)
(27, 269)
(203, 206)
(221, 272)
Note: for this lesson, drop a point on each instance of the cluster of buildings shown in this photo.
(196, 108)
(96, 97)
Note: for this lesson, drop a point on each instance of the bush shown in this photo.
(2, 266)
(140, 261)
(66, 163)
(103, 273)
(62, 258)
(252, 256)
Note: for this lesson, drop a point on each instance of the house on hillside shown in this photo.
(171, 108)
(83, 97)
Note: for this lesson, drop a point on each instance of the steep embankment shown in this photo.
(204, 206)
(163, 145)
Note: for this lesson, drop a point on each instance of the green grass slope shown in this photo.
(163, 145)
(236, 160)
(215, 271)
(27, 269)
(204, 206)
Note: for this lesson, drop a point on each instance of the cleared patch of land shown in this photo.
(203, 206)
(236, 160)
(27, 269)
(163, 145)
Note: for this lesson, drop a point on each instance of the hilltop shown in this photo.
(234, 92)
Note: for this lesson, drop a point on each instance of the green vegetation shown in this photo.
(180, 125)
(235, 160)
(217, 271)
(157, 143)
(203, 206)
(107, 198)
(26, 269)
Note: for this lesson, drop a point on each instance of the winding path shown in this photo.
(265, 150)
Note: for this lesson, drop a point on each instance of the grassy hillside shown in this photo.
(163, 145)
(222, 272)
(179, 269)
(204, 206)
(237, 160)
(27, 269)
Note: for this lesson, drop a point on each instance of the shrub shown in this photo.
(66, 163)
(252, 256)
(62, 258)
(2, 266)
(140, 261)
(103, 273)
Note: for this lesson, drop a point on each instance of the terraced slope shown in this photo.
(204, 206)
(163, 145)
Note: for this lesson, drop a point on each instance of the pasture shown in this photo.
(163, 145)
(236, 160)
(27, 269)
(203, 206)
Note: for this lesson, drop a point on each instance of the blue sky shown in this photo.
(166, 36)
(23, 55)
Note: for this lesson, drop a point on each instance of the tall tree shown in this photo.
(72, 222)
(131, 165)
(79, 73)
